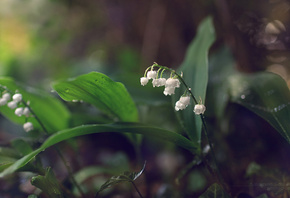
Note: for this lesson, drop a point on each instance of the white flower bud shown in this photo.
(179, 106)
(6, 96)
(12, 104)
(151, 74)
(26, 111)
(17, 97)
(144, 81)
(28, 126)
(19, 111)
(199, 109)
(3, 101)
(169, 91)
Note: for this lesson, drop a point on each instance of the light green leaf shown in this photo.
(195, 70)
(134, 128)
(48, 184)
(52, 113)
(267, 95)
(98, 89)
(214, 191)
(21, 146)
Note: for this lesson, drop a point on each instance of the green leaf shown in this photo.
(53, 114)
(214, 191)
(267, 95)
(195, 70)
(98, 89)
(125, 177)
(48, 184)
(134, 128)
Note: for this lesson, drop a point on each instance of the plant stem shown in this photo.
(70, 173)
(137, 189)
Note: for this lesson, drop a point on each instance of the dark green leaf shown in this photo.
(125, 177)
(267, 95)
(134, 128)
(98, 89)
(195, 70)
(49, 110)
(48, 184)
(214, 191)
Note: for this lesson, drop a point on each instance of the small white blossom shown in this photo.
(17, 97)
(19, 111)
(151, 74)
(159, 82)
(3, 101)
(28, 126)
(144, 81)
(6, 96)
(199, 109)
(182, 103)
(12, 104)
(169, 91)
(172, 82)
(26, 111)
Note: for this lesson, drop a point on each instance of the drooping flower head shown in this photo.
(182, 103)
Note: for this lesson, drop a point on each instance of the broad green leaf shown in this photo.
(195, 70)
(267, 95)
(98, 89)
(52, 113)
(134, 128)
(214, 191)
(48, 184)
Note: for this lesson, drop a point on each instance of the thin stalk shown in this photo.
(70, 173)
(137, 189)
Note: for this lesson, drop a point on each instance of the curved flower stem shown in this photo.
(217, 172)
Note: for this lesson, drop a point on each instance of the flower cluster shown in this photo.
(15, 104)
(170, 84)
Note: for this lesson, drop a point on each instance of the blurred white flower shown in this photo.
(151, 74)
(3, 101)
(6, 96)
(26, 111)
(17, 97)
(144, 81)
(28, 126)
(12, 104)
(199, 109)
(19, 111)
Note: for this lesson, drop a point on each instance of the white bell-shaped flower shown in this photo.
(17, 97)
(12, 104)
(199, 109)
(6, 96)
(144, 81)
(172, 82)
(159, 82)
(169, 91)
(182, 103)
(26, 111)
(151, 74)
(3, 101)
(28, 126)
(19, 111)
